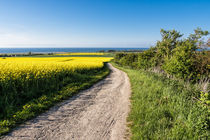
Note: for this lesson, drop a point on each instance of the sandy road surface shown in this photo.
(98, 113)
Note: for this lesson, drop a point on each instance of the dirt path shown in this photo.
(98, 113)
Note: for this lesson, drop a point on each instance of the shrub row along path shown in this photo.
(94, 114)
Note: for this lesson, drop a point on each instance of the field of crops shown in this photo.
(25, 79)
(91, 54)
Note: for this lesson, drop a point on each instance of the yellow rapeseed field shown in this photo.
(80, 53)
(27, 68)
(29, 85)
(27, 77)
(23, 73)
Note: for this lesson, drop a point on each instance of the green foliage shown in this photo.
(144, 59)
(174, 55)
(202, 64)
(205, 98)
(118, 56)
(169, 41)
(163, 108)
(127, 59)
(181, 62)
(208, 43)
(198, 34)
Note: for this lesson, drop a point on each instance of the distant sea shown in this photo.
(53, 50)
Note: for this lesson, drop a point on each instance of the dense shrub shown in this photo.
(181, 62)
(127, 59)
(118, 56)
(144, 59)
(174, 55)
(202, 63)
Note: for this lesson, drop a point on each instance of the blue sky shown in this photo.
(97, 23)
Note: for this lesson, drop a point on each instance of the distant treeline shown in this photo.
(24, 54)
(52, 54)
(114, 51)
(174, 56)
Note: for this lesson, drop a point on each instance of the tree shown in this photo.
(184, 62)
(197, 37)
(29, 53)
(208, 43)
(170, 39)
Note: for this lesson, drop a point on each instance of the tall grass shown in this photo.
(165, 109)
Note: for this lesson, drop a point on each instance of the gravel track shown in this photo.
(98, 113)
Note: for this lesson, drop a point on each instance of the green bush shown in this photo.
(130, 60)
(144, 59)
(118, 56)
(174, 55)
(180, 64)
(202, 63)
(127, 59)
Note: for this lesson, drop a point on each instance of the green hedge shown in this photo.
(174, 55)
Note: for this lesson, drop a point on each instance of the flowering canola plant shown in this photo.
(97, 53)
(29, 68)
(25, 78)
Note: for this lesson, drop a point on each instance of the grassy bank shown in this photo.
(71, 86)
(165, 109)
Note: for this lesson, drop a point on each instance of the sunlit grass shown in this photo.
(164, 109)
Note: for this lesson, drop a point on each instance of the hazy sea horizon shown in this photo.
(53, 50)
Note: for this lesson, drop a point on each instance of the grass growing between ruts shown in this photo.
(164, 109)
(39, 105)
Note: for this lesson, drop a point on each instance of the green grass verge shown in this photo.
(162, 108)
(43, 103)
